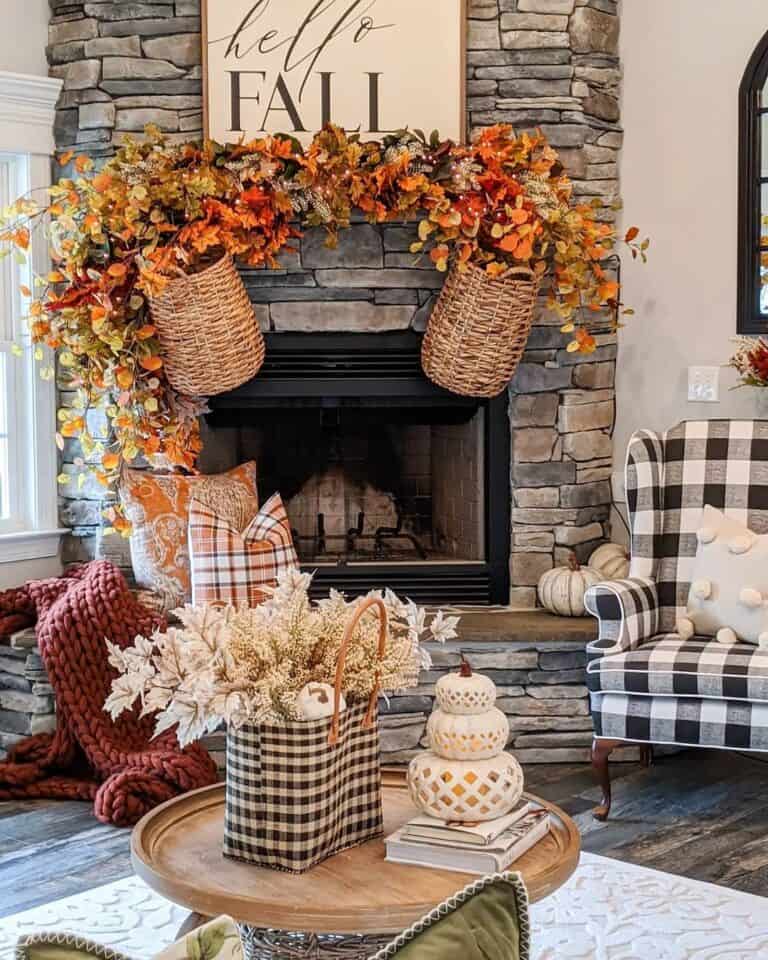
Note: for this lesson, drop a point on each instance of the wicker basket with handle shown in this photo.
(208, 332)
(301, 791)
(478, 330)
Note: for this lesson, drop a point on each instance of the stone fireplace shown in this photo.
(494, 494)
(551, 64)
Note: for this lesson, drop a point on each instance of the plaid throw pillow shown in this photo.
(231, 567)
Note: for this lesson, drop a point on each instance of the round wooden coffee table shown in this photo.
(348, 906)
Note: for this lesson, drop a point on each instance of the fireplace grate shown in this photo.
(464, 584)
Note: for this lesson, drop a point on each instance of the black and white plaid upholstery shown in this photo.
(672, 477)
(684, 721)
(646, 684)
(672, 667)
(292, 800)
(628, 611)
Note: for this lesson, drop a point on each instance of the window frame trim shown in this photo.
(27, 114)
(750, 320)
(19, 370)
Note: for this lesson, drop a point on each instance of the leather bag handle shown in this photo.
(362, 608)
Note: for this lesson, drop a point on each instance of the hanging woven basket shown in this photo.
(209, 334)
(478, 330)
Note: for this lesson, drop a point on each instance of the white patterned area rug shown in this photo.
(607, 911)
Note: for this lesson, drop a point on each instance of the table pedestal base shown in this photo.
(262, 944)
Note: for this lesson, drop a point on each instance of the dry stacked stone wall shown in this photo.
(125, 65)
(540, 684)
(532, 63)
(26, 696)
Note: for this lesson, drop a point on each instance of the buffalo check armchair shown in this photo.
(647, 685)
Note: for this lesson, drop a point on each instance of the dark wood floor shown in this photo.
(700, 814)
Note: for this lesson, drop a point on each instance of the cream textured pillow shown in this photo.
(729, 588)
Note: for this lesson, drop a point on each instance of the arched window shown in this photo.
(753, 194)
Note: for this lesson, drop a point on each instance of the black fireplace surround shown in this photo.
(320, 394)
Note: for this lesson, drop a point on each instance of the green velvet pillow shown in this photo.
(40, 949)
(216, 940)
(488, 920)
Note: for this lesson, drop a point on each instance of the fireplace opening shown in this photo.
(388, 486)
(387, 479)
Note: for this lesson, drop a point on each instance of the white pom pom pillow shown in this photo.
(728, 598)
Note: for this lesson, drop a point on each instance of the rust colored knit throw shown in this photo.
(89, 757)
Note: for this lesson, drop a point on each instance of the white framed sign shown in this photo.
(371, 66)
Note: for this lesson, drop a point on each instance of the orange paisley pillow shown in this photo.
(157, 506)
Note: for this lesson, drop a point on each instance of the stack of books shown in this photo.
(483, 848)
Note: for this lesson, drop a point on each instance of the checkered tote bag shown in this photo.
(302, 791)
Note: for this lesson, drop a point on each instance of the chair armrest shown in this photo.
(628, 611)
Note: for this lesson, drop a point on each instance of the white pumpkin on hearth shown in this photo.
(612, 560)
(562, 589)
(466, 775)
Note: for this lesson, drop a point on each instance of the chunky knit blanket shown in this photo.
(117, 764)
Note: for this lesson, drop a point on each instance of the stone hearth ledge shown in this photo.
(537, 661)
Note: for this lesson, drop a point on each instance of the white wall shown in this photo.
(23, 36)
(683, 63)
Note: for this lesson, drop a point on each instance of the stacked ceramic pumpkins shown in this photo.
(466, 775)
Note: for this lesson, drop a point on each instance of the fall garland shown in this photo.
(117, 234)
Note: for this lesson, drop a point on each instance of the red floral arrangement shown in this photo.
(751, 361)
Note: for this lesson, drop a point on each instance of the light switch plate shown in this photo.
(704, 384)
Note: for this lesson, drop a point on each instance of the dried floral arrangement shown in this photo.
(249, 665)
(155, 208)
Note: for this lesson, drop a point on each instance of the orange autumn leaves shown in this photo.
(82, 163)
(506, 201)
(117, 234)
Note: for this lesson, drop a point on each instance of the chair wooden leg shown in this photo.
(601, 750)
(646, 755)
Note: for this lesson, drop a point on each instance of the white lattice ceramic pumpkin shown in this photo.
(465, 790)
(612, 560)
(466, 725)
(562, 589)
(468, 736)
(466, 775)
(465, 692)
